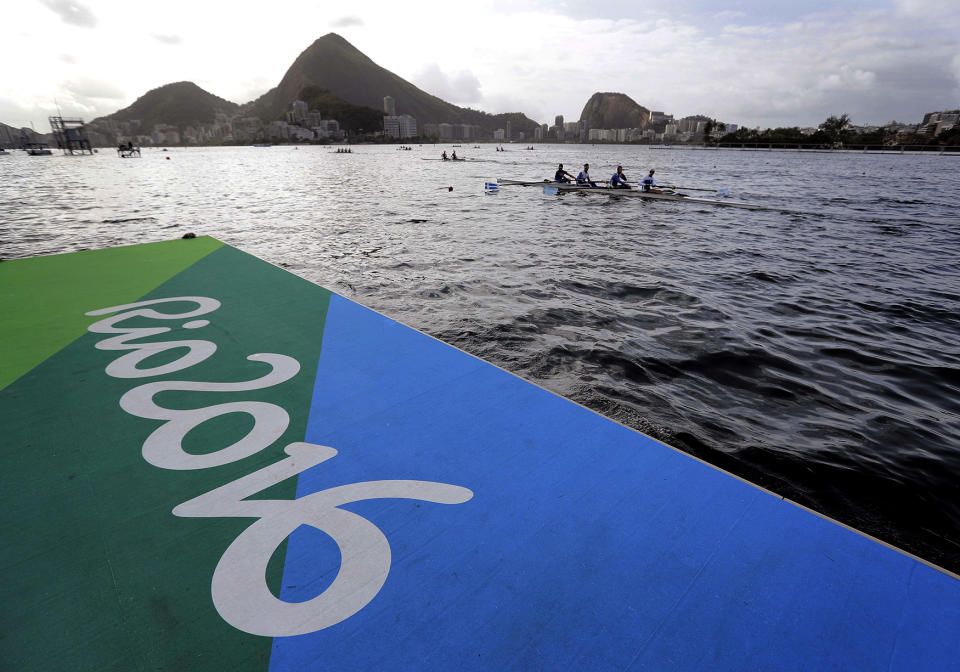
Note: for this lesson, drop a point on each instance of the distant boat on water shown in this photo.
(37, 149)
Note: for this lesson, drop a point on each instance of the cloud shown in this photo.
(17, 114)
(250, 89)
(461, 87)
(167, 39)
(71, 12)
(86, 88)
(750, 31)
(847, 79)
(926, 8)
(346, 22)
(728, 14)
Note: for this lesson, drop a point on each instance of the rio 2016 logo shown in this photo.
(239, 588)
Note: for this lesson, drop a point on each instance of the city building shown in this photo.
(498, 134)
(935, 123)
(327, 128)
(402, 126)
(298, 112)
(300, 133)
(389, 106)
(507, 132)
(602, 135)
(278, 130)
(689, 124)
(660, 118)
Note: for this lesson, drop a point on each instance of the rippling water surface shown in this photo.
(815, 352)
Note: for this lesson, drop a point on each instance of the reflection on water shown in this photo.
(815, 352)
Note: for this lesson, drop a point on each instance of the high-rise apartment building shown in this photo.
(402, 126)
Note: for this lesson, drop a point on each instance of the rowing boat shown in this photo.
(552, 189)
(459, 160)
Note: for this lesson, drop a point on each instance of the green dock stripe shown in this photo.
(43, 300)
(98, 575)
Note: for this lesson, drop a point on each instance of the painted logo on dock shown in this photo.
(239, 589)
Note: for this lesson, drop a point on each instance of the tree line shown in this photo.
(833, 132)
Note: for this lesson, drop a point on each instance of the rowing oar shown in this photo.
(673, 186)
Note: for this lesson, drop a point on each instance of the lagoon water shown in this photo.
(814, 350)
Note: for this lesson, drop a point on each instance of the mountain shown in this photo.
(178, 104)
(333, 64)
(14, 137)
(614, 110)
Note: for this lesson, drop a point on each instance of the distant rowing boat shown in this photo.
(458, 160)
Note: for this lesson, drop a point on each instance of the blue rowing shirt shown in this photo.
(616, 180)
(646, 183)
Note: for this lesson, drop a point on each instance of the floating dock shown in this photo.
(211, 464)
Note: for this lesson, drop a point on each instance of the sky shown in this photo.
(763, 63)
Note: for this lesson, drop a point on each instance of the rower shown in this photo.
(584, 176)
(454, 157)
(648, 184)
(444, 155)
(562, 176)
(619, 180)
